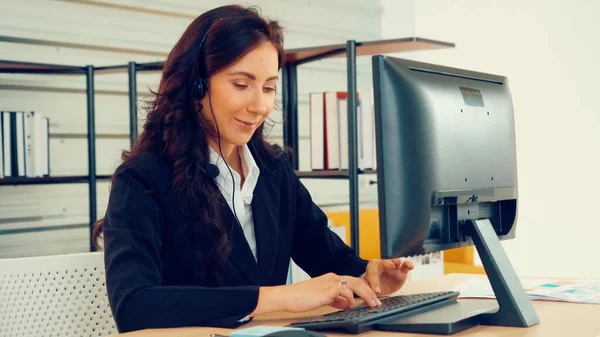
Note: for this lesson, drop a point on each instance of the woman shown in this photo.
(185, 245)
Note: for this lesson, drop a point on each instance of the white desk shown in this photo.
(556, 319)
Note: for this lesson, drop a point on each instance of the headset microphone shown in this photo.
(211, 170)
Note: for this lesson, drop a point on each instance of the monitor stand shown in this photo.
(512, 307)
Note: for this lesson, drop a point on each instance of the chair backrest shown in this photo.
(61, 295)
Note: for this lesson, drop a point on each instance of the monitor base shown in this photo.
(446, 320)
(511, 307)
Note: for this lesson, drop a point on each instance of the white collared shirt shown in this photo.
(243, 196)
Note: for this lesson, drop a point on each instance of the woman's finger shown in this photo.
(346, 293)
(407, 265)
(397, 274)
(390, 264)
(341, 303)
(371, 292)
(363, 291)
(372, 277)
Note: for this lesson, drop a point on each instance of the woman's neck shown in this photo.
(230, 155)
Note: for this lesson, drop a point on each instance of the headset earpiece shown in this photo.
(199, 88)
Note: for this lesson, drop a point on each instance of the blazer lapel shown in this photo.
(240, 256)
(265, 213)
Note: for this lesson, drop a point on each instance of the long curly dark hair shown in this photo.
(177, 132)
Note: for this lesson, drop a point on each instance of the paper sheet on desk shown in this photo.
(578, 291)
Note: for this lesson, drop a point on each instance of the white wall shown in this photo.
(549, 50)
(109, 32)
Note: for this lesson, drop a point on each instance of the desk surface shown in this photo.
(556, 319)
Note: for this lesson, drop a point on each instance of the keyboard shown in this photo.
(361, 318)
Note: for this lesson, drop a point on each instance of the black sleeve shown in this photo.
(132, 241)
(316, 249)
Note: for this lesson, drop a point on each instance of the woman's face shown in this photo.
(243, 94)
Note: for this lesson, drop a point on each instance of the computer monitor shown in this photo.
(447, 144)
(447, 169)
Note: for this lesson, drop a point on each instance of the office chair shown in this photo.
(60, 295)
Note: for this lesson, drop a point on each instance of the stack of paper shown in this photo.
(578, 291)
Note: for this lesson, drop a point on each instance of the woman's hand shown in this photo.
(387, 276)
(330, 289)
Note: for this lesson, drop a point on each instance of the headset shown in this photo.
(200, 86)
(199, 90)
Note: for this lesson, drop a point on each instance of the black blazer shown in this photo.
(152, 277)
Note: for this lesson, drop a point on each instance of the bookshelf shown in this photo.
(333, 174)
(48, 180)
(292, 59)
(16, 67)
(132, 69)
